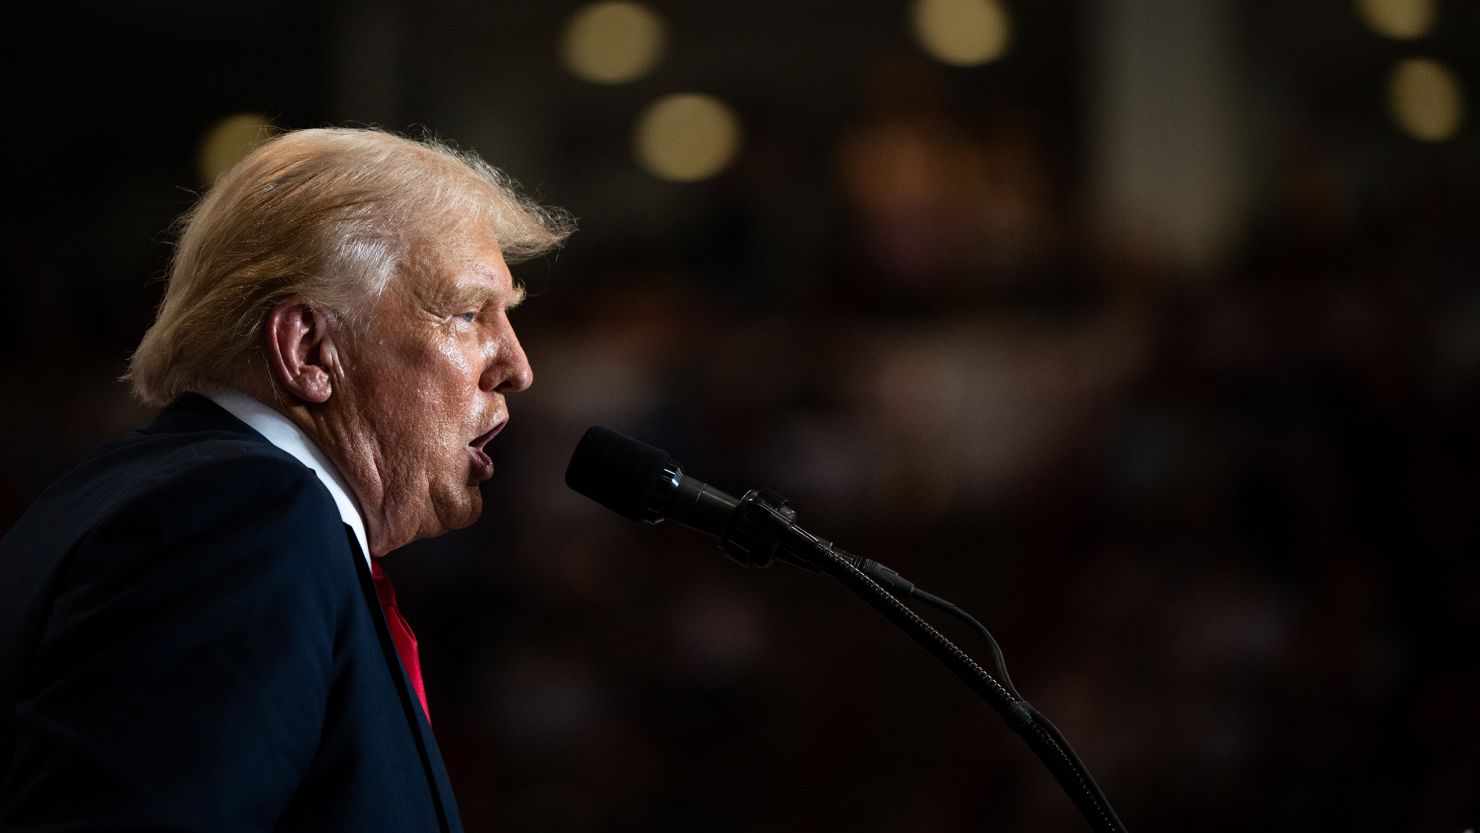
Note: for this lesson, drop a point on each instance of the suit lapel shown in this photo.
(426, 742)
(193, 412)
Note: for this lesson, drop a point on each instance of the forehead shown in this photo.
(466, 270)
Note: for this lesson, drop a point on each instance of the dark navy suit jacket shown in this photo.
(190, 641)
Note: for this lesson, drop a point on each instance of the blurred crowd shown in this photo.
(1224, 524)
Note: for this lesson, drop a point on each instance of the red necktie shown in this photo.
(400, 632)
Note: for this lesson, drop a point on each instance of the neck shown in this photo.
(346, 445)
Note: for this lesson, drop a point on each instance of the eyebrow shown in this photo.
(481, 294)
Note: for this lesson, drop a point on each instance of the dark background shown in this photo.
(1155, 344)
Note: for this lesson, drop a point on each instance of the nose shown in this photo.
(509, 370)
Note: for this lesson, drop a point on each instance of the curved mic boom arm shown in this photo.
(643, 483)
(763, 528)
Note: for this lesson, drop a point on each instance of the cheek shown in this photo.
(420, 395)
(436, 396)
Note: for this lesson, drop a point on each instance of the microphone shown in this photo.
(644, 483)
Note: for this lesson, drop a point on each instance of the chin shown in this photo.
(452, 507)
(464, 512)
(475, 511)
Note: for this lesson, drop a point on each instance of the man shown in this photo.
(195, 634)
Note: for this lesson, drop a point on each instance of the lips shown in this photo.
(482, 463)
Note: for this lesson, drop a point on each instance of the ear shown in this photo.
(300, 350)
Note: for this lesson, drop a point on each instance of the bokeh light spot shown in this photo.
(228, 141)
(1400, 19)
(686, 137)
(962, 32)
(1426, 100)
(613, 42)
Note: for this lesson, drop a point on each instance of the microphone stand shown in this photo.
(763, 528)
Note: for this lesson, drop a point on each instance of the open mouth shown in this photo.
(482, 463)
(483, 439)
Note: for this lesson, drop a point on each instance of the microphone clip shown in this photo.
(762, 529)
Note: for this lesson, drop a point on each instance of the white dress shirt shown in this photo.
(281, 432)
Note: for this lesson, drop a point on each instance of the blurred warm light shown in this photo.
(1426, 99)
(687, 137)
(962, 32)
(227, 141)
(1401, 19)
(612, 42)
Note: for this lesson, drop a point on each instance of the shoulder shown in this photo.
(184, 483)
(188, 631)
(217, 495)
(189, 505)
(212, 546)
(196, 452)
(216, 474)
(202, 507)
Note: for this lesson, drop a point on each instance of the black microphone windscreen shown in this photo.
(616, 471)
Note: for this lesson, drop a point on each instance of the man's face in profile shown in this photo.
(427, 385)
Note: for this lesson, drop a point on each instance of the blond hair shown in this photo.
(330, 215)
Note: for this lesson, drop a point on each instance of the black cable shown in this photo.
(897, 583)
(899, 586)
(999, 662)
(1046, 741)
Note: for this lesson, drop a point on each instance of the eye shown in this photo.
(468, 317)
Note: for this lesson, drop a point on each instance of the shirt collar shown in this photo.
(281, 432)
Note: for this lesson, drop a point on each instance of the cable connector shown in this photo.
(883, 576)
